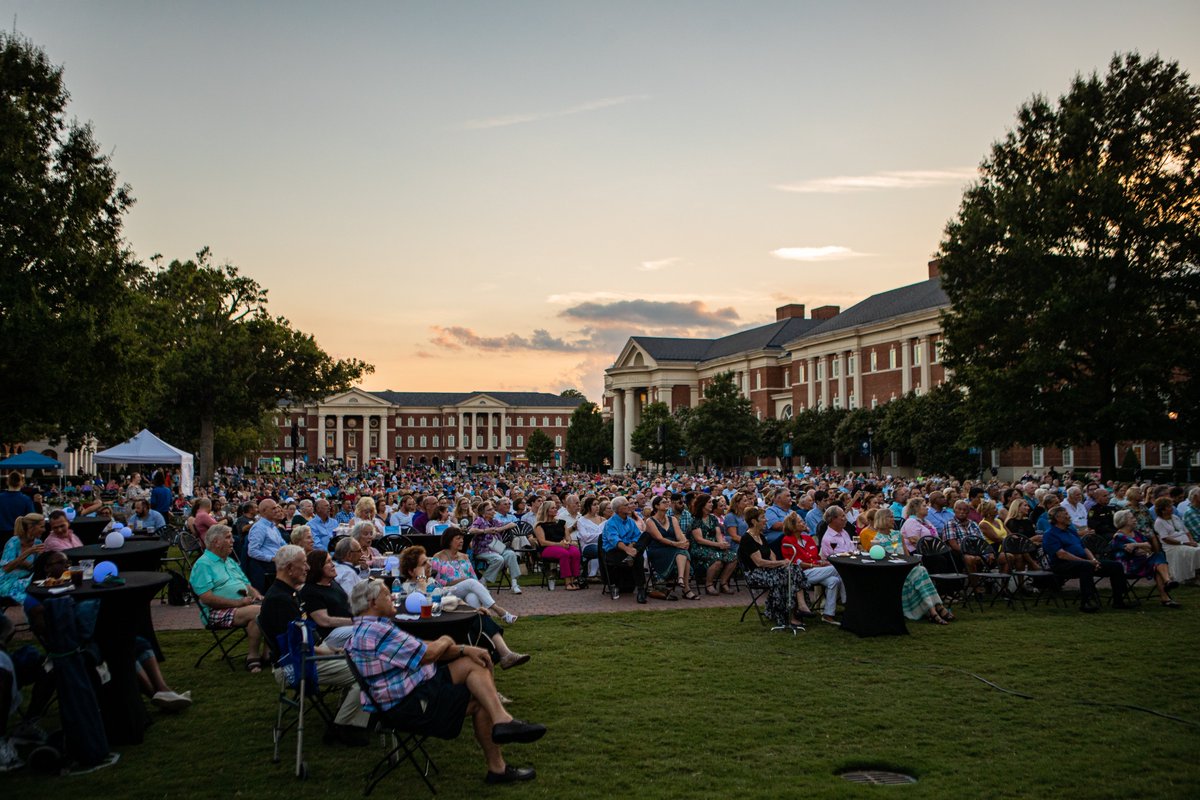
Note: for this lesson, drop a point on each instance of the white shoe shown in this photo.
(510, 618)
(170, 701)
(516, 588)
(9, 760)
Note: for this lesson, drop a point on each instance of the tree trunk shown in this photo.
(1108, 459)
(205, 470)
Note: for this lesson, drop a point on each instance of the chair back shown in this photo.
(974, 546)
(523, 529)
(1095, 543)
(1018, 544)
(392, 543)
(932, 546)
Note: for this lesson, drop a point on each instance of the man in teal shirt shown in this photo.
(226, 598)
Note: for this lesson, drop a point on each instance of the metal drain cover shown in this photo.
(878, 777)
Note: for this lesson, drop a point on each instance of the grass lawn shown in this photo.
(691, 703)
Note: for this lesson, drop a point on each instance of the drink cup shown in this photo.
(88, 565)
(77, 576)
(426, 610)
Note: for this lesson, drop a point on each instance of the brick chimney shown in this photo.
(826, 312)
(790, 311)
(935, 268)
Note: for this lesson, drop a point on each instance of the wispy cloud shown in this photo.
(662, 263)
(896, 179)
(653, 313)
(457, 338)
(534, 116)
(826, 253)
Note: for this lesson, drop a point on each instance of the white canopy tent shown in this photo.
(146, 448)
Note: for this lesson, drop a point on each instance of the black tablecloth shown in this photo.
(124, 613)
(143, 556)
(455, 624)
(873, 606)
(90, 530)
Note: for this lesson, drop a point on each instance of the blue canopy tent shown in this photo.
(30, 460)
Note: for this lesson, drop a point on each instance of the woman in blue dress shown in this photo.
(16, 562)
(1137, 556)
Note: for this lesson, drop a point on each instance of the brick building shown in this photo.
(466, 428)
(873, 352)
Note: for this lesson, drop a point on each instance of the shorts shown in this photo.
(220, 618)
(436, 707)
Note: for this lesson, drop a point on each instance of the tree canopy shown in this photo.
(657, 437)
(723, 428)
(73, 360)
(1071, 267)
(539, 448)
(589, 442)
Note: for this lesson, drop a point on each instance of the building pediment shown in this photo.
(480, 400)
(355, 398)
(633, 356)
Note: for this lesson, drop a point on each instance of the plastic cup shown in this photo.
(426, 610)
(77, 576)
(88, 565)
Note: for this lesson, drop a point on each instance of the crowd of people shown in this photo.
(276, 547)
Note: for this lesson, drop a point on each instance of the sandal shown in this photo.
(936, 620)
(948, 615)
(254, 665)
(725, 589)
(572, 587)
(711, 589)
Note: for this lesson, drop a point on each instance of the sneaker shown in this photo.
(513, 660)
(516, 588)
(170, 701)
(511, 774)
(9, 760)
(616, 594)
(509, 618)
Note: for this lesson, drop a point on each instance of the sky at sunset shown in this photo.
(496, 195)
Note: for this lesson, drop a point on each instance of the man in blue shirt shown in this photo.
(161, 497)
(776, 513)
(624, 543)
(1070, 559)
(145, 518)
(322, 525)
(816, 516)
(938, 515)
(263, 542)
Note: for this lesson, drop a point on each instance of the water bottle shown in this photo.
(437, 601)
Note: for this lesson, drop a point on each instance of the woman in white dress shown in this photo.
(1183, 555)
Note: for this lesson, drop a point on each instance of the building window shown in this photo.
(545, 422)
(410, 422)
(892, 358)
(451, 419)
(894, 458)
(801, 372)
(820, 369)
(853, 401)
(495, 441)
(421, 422)
(786, 414)
(352, 441)
(479, 440)
(558, 441)
(450, 440)
(558, 422)
(374, 442)
(1166, 456)
(851, 364)
(787, 378)
(1068, 456)
(520, 440)
(937, 352)
(758, 379)
(837, 401)
(1039, 457)
(287, 440)
(995, 457)
(399, 441)
(835, 367)
(1196, 459)
(508, 440)
(411, 442)
(424, 442)
(874, 361)
(917, 349)
(520, 422)
(437, 440)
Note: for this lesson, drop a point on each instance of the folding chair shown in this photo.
(756, 590)
(1044, 581)
(998, 582)
(221, 637)
(1099, 547)
(951, 584)
(406, 743)
(301, 690)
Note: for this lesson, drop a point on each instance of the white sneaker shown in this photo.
(510, 618)
(9, 760)
(516, 588)
(169, 701)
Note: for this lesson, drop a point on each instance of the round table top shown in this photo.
(134, 581)
(866, 561)
(131, 547)
(431, 627)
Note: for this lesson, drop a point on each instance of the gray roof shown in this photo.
(887, 305)
(771, 336)
(425, 399)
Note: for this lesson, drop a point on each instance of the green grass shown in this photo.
(692, 703)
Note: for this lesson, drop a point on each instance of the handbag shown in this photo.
(497, 546)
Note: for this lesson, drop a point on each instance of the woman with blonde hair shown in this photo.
(20, 552)
(364, 510)
(919, 597)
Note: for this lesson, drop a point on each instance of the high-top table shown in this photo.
(873, 606)
(133, 556)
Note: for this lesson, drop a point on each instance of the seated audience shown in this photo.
(918, 597)
(557, 543)
(817, 571)
(490, 547)
(668, 550)
(61, 536)
(16, 564)
(224, 594)
(1138, 556)
(709, 551)
(624, 545)
(763, 569)
(1182, 552)
(325, 601)
(452, 568)
(1070, 559)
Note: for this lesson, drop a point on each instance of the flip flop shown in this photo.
(254, 665)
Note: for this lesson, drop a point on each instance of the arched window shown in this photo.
(545, 422)
(422, 423)
(892, 358)
(436, 440)
(508, 440)
(874, 361)
(520, 422)
(450, 440)
(450, 419)
(410, 422)
(558, 422)
(411, 442)
(558, 441)
(424, 442)
(786, 414)
(520, 440)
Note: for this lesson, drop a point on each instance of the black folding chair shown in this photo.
(1043, 581)
(221, 641)
(952, 584)
(392, 543)
(999, 583)
(757, 591)
(406, 743)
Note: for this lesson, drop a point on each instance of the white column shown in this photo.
(339, 445)
(320, 433)
(828, 366)
(461, 427)
(858, 368)
(695, 395)
(503, 433)
(366, 447)
(630, 424)
(812, 382)
(926, 376)
(842, 378)
(906, 366)
(618, 416)
(488, 441)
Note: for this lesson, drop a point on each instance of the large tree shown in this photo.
(588, 441)
(539, 448)
(1071, 267)
(224, 360)
(723, 428)
(72, 361)
(657, 437)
